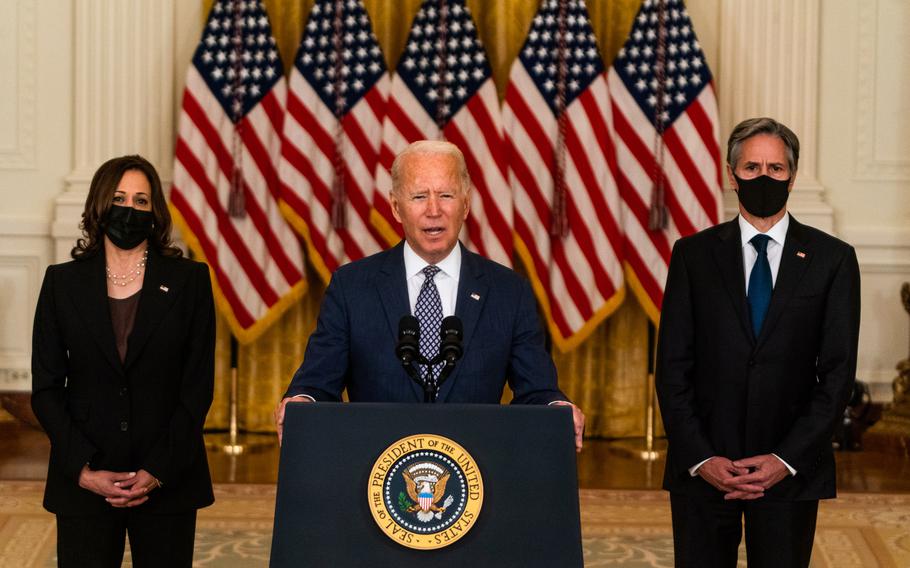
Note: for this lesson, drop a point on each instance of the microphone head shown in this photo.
(451, 333)
(451, 328)
(408, 328)
(408, 346)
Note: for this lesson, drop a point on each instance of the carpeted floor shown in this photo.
(620, 528)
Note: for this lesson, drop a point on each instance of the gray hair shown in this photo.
(432, 147)
(754, 126)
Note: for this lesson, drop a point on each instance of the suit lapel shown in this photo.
(90, 299)
(472, 294)
(159, 290)
(795, 259)
(728, 255)
(392, 287)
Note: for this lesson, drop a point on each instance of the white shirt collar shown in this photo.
(778, 232)
(413, 264)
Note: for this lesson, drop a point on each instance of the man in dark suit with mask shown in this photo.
(755, 364)
(430, 275)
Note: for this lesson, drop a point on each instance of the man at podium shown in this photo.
(430, 276)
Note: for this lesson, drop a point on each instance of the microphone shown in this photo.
(450, 349)
(408, 347)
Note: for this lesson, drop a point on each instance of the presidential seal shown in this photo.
(425, 491)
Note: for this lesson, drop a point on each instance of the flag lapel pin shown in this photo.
(801, 254)
(475, 296)
(164, 288)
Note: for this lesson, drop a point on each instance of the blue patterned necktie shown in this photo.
(428, 311)
(759, 293)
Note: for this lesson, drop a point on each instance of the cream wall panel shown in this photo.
(24, 253)
(884, 257)
(35, 156)
(864, 105)
(35, 116)
(864, 164)
(17, 91)
(883, 91)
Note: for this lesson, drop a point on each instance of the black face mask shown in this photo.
(127, 227)
(762, 196)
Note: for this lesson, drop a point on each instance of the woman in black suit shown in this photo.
(122, 379)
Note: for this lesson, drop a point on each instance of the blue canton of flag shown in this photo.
(237, 56)
(540, 52)
(362, 64)
(686, 72)
(443, 69)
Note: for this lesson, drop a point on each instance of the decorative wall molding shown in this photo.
(870, 111)
(15, 380)
(18, 45)
(881, 251)
(25, 250)
(20, 275)
(884, 262)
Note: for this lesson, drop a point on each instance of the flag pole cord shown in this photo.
(559, 224)
(236, 198)
(339, 193)
(657, 214)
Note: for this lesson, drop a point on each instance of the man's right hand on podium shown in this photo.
(279, 411)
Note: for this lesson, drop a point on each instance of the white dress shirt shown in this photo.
(778, 234)
(446, 279)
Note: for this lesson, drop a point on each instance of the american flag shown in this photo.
(557, 124)
(336, 103)
(225, 192)
(666, 132)
(443, 88)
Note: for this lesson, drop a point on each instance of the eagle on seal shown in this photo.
(426, 491)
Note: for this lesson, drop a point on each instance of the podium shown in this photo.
(368, 484)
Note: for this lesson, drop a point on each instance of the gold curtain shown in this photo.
(605, 376)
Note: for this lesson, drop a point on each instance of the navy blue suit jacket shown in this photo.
(353, 345)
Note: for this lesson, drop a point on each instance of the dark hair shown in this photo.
(754, 126)
(101, 196)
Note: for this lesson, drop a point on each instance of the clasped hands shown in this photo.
(120, 489)
(744, 479)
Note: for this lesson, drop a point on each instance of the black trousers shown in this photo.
(707, 533)
(98, 541)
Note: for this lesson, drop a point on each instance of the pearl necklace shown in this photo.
(129, 277)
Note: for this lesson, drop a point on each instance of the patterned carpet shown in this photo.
(620, 528)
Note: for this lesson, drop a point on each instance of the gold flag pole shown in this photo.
(234, 442)
(650, 448)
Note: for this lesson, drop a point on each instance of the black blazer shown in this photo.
(353, 346)
(146, 413)
(724, 392)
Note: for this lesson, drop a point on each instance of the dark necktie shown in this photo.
(759, 293)
(428, 311)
